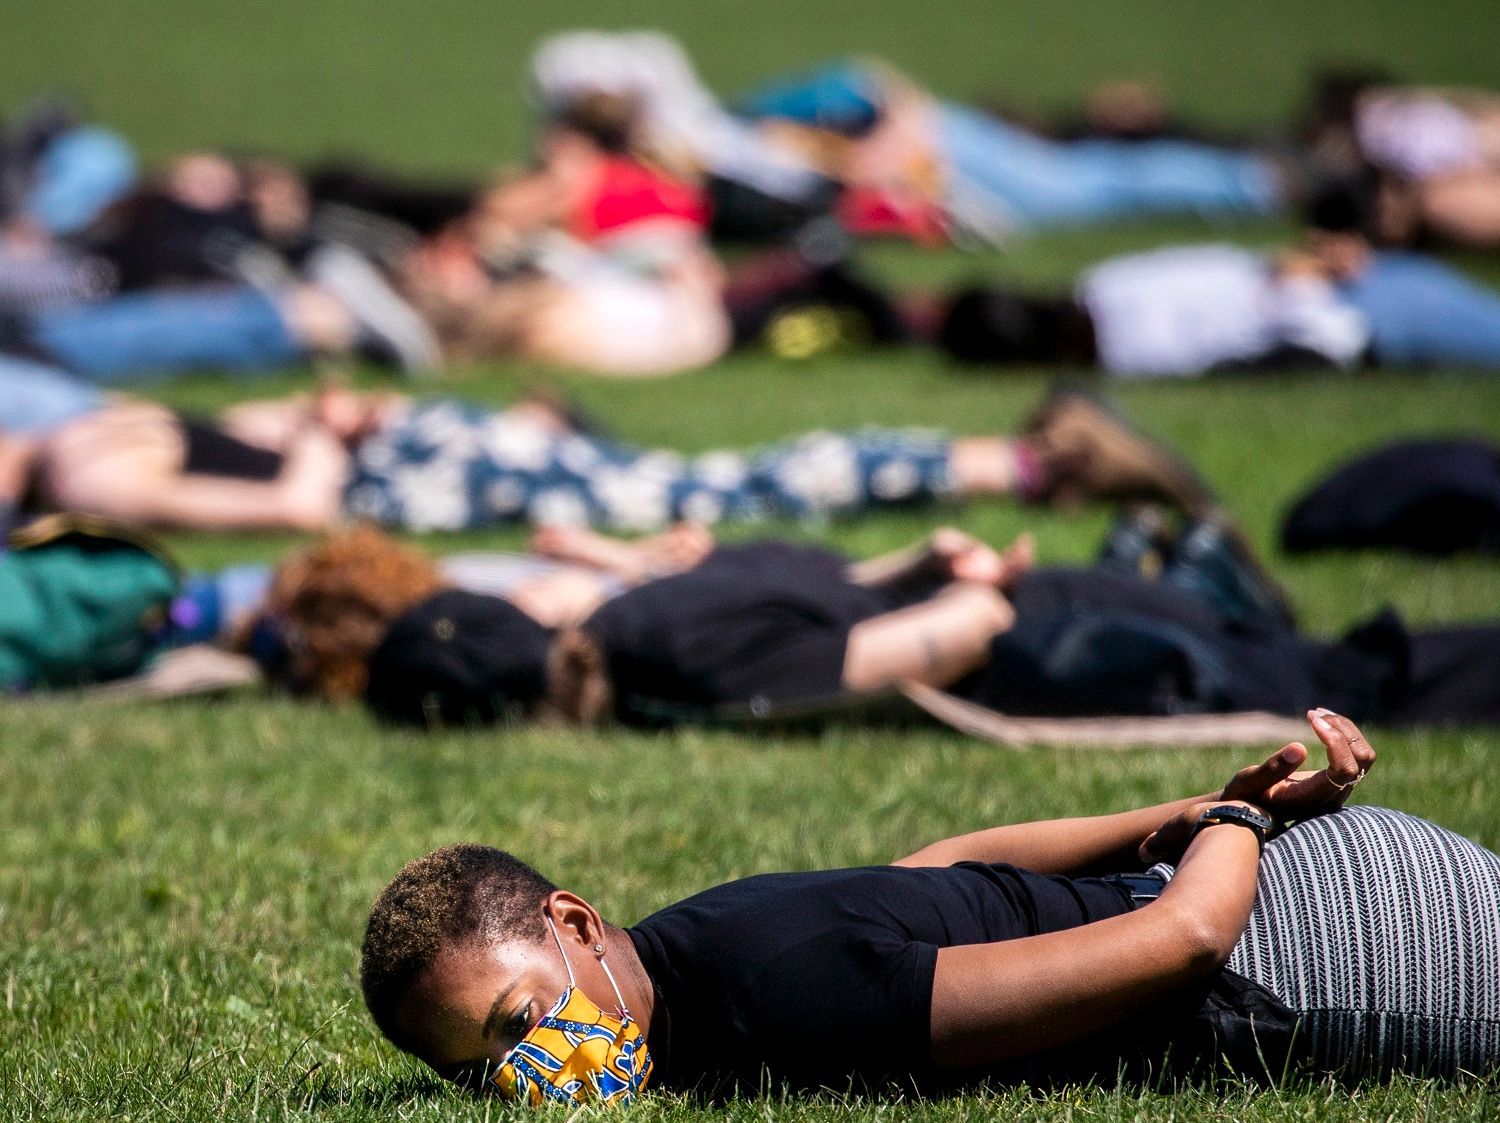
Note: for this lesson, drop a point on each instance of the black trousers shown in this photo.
(1088, 642)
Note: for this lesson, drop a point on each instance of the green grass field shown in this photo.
(183, 887)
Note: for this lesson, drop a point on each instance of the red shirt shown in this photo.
(626, 192)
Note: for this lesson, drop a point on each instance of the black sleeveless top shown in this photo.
(207, 450)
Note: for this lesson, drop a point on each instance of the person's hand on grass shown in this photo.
(1287, 793)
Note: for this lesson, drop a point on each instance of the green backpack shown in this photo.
(82, 600)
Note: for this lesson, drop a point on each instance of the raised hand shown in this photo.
(1287, 793)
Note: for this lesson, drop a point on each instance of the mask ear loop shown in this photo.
(610, 975)
(572, 982)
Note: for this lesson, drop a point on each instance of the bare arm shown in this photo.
(1113, 842)
(995, 1001)
(936, 642)
(270, 423)
(151, 491)
(948, 554)
(678, 548)
(896, 565)
(1070, 846)
(16, 457)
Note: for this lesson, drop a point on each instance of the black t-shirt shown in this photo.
(824, 979)
(730, 633)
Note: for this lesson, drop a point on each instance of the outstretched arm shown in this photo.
(991, 1002)
(1112, 842)
(936, 642)
(680, 547)
(948, 554)
(1102, 843)
(305, 496)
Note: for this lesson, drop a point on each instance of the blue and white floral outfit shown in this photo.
(446, 465)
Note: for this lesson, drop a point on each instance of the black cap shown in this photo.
(459, 658)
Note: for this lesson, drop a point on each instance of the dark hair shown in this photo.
(459, 658)
(993, 325)
(1346, 206)
(609, 120)
(454, 895)
(1336, 90)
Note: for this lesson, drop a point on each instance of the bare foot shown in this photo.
(678, 548)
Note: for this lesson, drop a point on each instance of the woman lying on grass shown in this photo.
(1362, 942)
(766, 624)
(309, 462)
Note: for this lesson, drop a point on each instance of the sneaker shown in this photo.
(1087, 451)
(1213, 558)
(1139, 542)
(389, 327)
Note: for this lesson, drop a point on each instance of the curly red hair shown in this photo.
(336, 600)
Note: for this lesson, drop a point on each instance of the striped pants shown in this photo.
(1383, 932)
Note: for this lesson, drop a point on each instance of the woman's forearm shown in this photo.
(896, 565)
(1214, 885)
(936, 642)
(1098, 843)
(991, 1002)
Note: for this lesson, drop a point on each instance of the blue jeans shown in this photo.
(1016, 178)
(77, 176)
(450, 466)
(35, 398)
(142, 335)
(1424, 313)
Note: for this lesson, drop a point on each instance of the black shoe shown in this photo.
(1139, 543)
(1213, 559)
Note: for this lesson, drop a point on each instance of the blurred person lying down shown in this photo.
(594, 259)
(798, 141)
(766, 624)
(991, 178)
(1333, 300)
(218, 266)
(307, 462)
(1431, 155)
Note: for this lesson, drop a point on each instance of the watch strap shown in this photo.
(1260, 824)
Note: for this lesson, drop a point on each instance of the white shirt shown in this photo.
(1185, 310)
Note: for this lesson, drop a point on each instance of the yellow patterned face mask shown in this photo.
(577, 1052)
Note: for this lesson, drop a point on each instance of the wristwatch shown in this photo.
(1252, 820)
